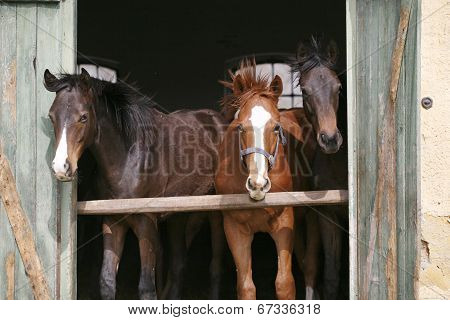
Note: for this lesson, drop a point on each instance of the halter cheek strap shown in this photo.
(270, 157)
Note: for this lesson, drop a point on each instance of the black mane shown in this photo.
(132, 111)
(311, 54)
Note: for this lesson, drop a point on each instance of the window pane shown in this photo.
(107, 74)
(296, 86)
(298, 102)
(284, 71)
(264, 69)
(285, 103)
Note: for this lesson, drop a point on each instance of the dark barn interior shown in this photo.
(176, 52)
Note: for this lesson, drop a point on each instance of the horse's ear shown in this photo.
(84, 76)
(290, 126)
(276, 86)
(50, 81)
(332, 52)
(238, 85)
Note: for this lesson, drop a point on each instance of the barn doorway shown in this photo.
(177, 54)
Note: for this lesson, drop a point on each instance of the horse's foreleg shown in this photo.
(332, 246)
(176, 228)
(284, 241)
(239, 240)
(146, 231)
(311, 262)
(114, 232)
(217, 247)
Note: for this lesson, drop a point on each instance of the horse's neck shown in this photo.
(117, 161)
(109, 149)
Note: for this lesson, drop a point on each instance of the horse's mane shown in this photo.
(132, 111)
(253, 84)
(311, 54)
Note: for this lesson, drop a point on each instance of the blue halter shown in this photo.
(270, 157)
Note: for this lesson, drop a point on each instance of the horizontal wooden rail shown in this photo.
(211, 202)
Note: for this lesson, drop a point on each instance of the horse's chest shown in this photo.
(258, 220)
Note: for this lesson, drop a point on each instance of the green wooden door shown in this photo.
(383, 249)
(35, 35)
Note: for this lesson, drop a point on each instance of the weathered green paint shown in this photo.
(8, 59)
(36, 35)
(372, 32)
(26, 128)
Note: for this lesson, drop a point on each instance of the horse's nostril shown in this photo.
(323, 137)
(249, 184)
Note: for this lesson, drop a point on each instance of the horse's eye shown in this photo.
(50, 117)
(240, 127)
(83, 118)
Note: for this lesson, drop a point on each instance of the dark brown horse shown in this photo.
(321, 91)
(252, 161)
(140, 152)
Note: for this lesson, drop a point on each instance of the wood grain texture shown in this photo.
(22, 230)
(10, 279)
(211, 202)
(351, 129)
(384, 137)
(388, 157)
(26, 127)
(48, 55)
(8, 58)
(35, 35)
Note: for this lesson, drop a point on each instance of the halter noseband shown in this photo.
(270, 157)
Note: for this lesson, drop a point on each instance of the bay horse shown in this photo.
(252, 160)
(140, 152)
(321, 87)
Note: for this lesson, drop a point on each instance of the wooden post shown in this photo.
(22, 230)
(386, 183)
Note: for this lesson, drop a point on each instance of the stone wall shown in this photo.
(434, 271)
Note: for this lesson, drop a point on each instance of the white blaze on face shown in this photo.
(259, 118)
(60, 159)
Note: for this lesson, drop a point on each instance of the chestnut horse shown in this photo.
(140, 152)
(252, 159)
(321, 88)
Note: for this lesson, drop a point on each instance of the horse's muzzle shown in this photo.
(329, 144)
(63, 175)
(257, 191)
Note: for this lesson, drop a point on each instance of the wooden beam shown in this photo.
(22, 230)
(211, 202)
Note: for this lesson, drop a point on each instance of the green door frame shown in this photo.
(371, 33)
(36, 35)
